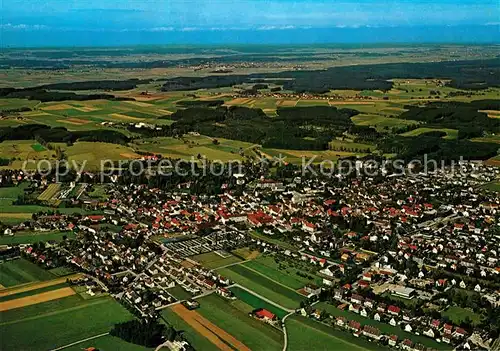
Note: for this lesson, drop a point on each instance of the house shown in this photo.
(354, 326)
(430, 333)
(394, 310)
(408, 328)
(407, 344)
(341, 321)
(354, 308)
(363, 313)
(312, 289)
(393, 340)
(460, 332)
(371, 332)
(358, 299)
(376, 317)
(447, 329)
(265, 315)
(435, 323)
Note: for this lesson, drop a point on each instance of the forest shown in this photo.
(474, 74)
(300, 128)
(46, 96)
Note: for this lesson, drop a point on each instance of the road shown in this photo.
(285, 335)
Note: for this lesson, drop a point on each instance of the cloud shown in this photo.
(10, 26)
(276, 27)
(161, 29)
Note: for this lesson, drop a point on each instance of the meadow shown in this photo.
(458, 315)
(306, 334)
(211, 260)
(108, 343)
(21, 271)
(253, 333)
(33, 237)
(262, 285)
(283, 272)
(59, 322)
(256, 302)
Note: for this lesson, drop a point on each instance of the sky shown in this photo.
(48, 22)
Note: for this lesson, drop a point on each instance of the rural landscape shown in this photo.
(253, 196)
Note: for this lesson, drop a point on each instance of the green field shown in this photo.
(306, 334)
(179, 293)
(450, 133)
(266, 287)
(38, 147)
(284, 272)
(198, 341)
(59, 322)
(385, 328)
(253, 333)
(21, 271)
(212, 260)
(458, 314)
(32, 237)
(108, 343)
(256, 302)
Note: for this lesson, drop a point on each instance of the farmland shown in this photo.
(256, 302)
(262, 285)
(284, 272)
(20, 271)
(108, 343)
(212, 260)
(253, 333)
(59, 322)
(304, 334)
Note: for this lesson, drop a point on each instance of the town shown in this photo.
(407, 262)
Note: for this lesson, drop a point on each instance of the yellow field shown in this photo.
(86, 109)
(57, 107)
(36, 299)
(37, 285)
(50, 192)
(138, 103)
(124, 117)
(491, 113)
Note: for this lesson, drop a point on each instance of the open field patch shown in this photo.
(262, 285)
(306, 334)
(108, 343)
(491, 113)
(32, 237)
(57, 107)
(124, 117)
(51, 191)
(450, 133)
(86, 108)
(219, 337)
(35, 299)
(20, 271)
(138, 103)
(256, 302)
(212, 260)
(253, 333)
(37, 285)
(59, 322)
(458, 315)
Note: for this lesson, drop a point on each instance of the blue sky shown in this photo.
(164, 16)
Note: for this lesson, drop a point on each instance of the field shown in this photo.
(92, 153)
(262, 285)
(20, 271)
(49, 193)
(59, 322)
(212, 260)
(458, 314)
(197, 340)
(219, 337)
(36, 297)
(179, 293)
(450, 133)
(256, 302)
(385, 328)
(306, 334)
(284, 272)
(108, 343)
(253, 333)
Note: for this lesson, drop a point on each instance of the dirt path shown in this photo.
(35, 299)
(216, 335)
(38, 285)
